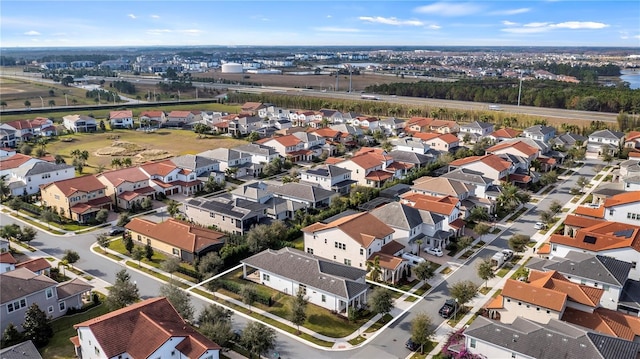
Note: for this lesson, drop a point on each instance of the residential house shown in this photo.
(21, 351)
(540, 133)
(391, 125)
(127, 187)
(516, 148)
(26, 130)
(178, 118)
(121, 119)
(475, 131)
(606, 321)
(151, 328)
(252, 108)
(236, 216)
(411, 145)
(367, 169)
(7, 262)
(152, 118)
(8, 138)
(632, 140)
(354, 240)
(613, 239)
(605, 142)
(18, 161)
(503, 134)
(418, 124)
(569, 140)
(413, 159)
(366, 122)
(244, 124)
(181, 239)
(490, 165)
(37, 265)
(623, 208)
(27, 179)
(300, 146)
(167, 178)
(595, 271)
(232, 162)
(20, 288)
(199, 165)
(333, 116)
(484, 187)
(527, 339)
(79, 123)
(328, 284)
(78, 198)
(329, 177)
(306, 194)
(470, 194)
(440, 142)
(6, 152)
(260, 155)
(304, 118)
(449, 207)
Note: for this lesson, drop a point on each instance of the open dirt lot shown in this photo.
(139, 146)
(15, 92)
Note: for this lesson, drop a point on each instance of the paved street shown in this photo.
(388, 345)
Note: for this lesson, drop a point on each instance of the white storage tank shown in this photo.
(231, 68)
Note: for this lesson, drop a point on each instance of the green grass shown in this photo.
(426, 350)
(36, 224)
(298, 243)
(459, 315)
(597, 177)
(484, 290)
(502, 272)
(59, 346)
(379, 324)
(447, 270)
(357, 340)
(517, 214)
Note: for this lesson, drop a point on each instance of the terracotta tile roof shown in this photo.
(178, 234)
(7, 257)
(326, 132)
(490, 160)
(287, 140)
(519, 178)
(119, 176)
(152, 114)
(632, 135)
(160, 168)
(458, 223)
(333, 160)
(95, 204)
(22, 124)
(605, 321)
(506, 133)
(422, 121)
(623, 198)
(392, 248)
(251, 106)
(141, 328)
(582, 222)
(366, 160)
(440, 205)
(517, 145)
(129, 195)
(547, 160)
(363, 227)
(120, 114)
(398, 166)
(578, 293)
(88, 183)
(35, 264)
(590, 212)
(542, 297)
(545, 248)
(426, 136)
(495, 303)
(378, 175)
(602, 236)
(387, 261)
(634, 154)
(448, 138)
(14, 161)
(179, 113)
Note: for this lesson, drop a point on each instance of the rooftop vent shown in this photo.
(627, 233)
(590, 239)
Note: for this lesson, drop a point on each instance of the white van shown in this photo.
(495, 108)
(413, 259)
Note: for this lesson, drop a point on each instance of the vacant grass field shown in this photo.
(149, 146)
(15, 92)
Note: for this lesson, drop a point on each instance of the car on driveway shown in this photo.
(411, 345)
(434, 251)
(115, 230)
(539, 225)
(448, 308)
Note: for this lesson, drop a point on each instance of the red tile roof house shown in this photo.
(179, 118)
(36, 265)
(152, 118)
(181, 239)
(127, 186)
(78, 198)
(121, 119)
(623, 207)
(449, 207)
(148, 329)
(491, 166)
(167, 178)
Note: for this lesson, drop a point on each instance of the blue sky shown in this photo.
(28, 23)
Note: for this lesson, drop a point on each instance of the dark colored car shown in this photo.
(449, 307)
(411, 345)
(115, 230)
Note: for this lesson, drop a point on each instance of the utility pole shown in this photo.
(41, 100)
(337, 78)
(65, 100)
(520, 88)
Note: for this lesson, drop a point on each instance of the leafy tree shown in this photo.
(421, 330)
(27, 104)
(123, 292)
(380, 301)
(3, 104)
(215, 324)
(59, 159)
(424, 271)
(173, 207)
(146, 204)
(48, 216)
(180, 300)
(512, 197)
(103, 240)
(123, 219)
(485, 270)
(464, 242)
(71, 256)
(374, 269)
(253, 136)
(11, 336)
(10, 231)
(4, 187)
(582, 182)
(463, 291)
(148, 251)
(128, 243)
(36, 326)
(27, 234)
(137, 254)
(518, 243)
(549, 178)
(102, 216)
(52, 103)
(482, 229)
(607, 157)
(171, 265)
(210, 265)
(546, 216)
(26, 149)
(248, 294)
(555, 206)
(40, 152)
(479, 214)
(298, 313)
(258, 338)
(15, 203)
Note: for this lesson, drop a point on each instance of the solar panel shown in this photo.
(627, 233)
(590, 239)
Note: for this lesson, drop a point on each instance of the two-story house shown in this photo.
(448, 207)
(127, 186)
(201, 166)
(151, 328)
(232, 215)
(503, 134)
(446, 142)
(491, 166)
(623, 207)
(244, 124)
(605, 142)
(21, 288)
(367, 169)
(540, 133)
(391, 125)
(354, 240)
(28, 179)
(167, 178)
(79, 123)
(474, 131)
(329, 177)
(152, 118)
(232, 162)
(411, 145)
(179, 118)
(121, 119)
(78, 198)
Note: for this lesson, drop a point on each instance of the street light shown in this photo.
(455, 310)
(41, 100)
(520, 88)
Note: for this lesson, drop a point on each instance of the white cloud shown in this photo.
(449, 9)
(336, 29)
(32, 33)
(509, 23)
(521, 10)
(390, 21)
(434, 27)
(636, 37)
(155, 16)
(158, 31)
(536, 27)
(536, 24)
(191, 32)
(329, 16)
(132, 16)
(580, 25)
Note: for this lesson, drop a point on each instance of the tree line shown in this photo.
(583, 72)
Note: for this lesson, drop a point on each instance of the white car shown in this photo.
(434, 251)
(539, 225)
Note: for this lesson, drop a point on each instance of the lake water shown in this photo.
(632, 77)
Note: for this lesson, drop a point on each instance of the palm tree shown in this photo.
(126, 162)
(74, 101)
(52, 103)
(374, 268)
(512, 197)
(4, 187)
(116, 163)
(3, 104)
(27, 104)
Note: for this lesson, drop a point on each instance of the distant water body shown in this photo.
(632, 77)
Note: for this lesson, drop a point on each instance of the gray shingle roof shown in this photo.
(312, 271)
(193, 162)
(46, 167)
(598, 268)
(630, 296)
(223, 154)
(467, 176)
(398, 215)
(24, 350)
(539, 129)
(608, 134)
(73, 287)
(411, 157)
(21, 282)
(302, 191)
(477, 125)
(254, 148)
(553, 340)
(238, 209)
(327, 171)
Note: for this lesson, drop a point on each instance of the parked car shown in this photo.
(434, 251)
(539, 225)
(413, 259)
(115, 230)
(449, 307)
(411, 345)
(507, 254)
